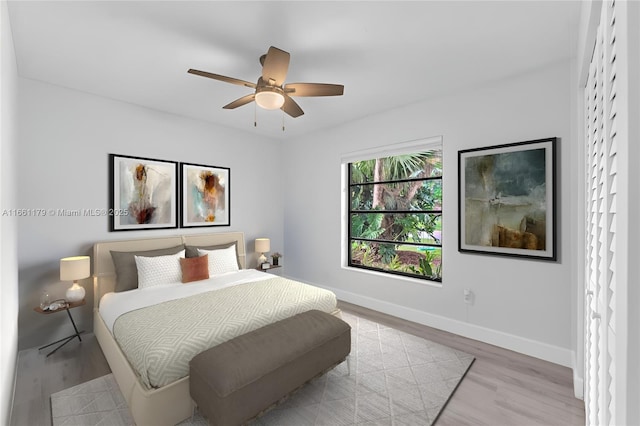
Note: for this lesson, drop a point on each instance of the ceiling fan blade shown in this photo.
(291, 107)
(313, 89)
(223, 78)
(239, 102)
(275, 66)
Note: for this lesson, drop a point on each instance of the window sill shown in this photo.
(428, 283)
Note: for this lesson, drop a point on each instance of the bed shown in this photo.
(161, 396)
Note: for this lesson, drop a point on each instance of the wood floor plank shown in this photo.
(39, 376)
(502, 387)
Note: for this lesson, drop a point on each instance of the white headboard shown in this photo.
(104, 274)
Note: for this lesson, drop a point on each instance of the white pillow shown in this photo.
(158, 270)
(221, 260)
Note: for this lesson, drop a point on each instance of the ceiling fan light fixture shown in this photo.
(270, 90)
(269, 98)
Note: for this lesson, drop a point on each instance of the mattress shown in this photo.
(161, 329)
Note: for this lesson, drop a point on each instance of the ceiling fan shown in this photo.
(270, 90)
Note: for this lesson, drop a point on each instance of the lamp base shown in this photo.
(262, 259)
(75, 293)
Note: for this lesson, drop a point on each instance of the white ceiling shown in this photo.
(387, 54)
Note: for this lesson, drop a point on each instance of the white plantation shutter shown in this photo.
(602, 100)
(594, 134)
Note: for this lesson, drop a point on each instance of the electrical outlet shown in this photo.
(468, 296)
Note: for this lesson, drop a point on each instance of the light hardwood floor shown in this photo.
(502, 388)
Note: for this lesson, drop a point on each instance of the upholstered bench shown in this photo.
(238, 379)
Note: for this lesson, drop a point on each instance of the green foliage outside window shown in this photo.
(395, 214)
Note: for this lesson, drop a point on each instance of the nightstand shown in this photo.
(269, 268)
(67, 339)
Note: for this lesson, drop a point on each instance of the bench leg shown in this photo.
(193, 410)
(348, 365)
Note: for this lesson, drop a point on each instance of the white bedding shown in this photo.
(112, 305)
(166, 327)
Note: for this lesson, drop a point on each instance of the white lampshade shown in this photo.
(269, 100)
(75, 268)
(263, 245)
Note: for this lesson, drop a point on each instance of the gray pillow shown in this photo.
(125, 263)
(192, 251)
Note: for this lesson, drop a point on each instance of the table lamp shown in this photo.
(262, 246)
(74, 269)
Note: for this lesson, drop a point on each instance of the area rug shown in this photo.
(396, 378)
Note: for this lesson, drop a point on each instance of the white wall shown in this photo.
(633, 290)
(520, 304)
(628, 15)
(65, 139)
(8, 250)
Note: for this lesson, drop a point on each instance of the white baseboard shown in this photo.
(9, 414)
(578, 386)
(578, 378)
(530, 347)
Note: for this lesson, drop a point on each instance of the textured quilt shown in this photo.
(160, 340)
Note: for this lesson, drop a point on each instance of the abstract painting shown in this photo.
(143, 193)
(507, 199)
(204, 195)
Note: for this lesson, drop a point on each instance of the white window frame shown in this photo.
(408, 147)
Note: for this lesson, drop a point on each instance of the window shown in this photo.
(395, 214)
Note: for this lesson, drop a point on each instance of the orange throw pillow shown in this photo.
(194, 268)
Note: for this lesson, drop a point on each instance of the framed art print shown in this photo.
(205, 193)
(143, 192)
(507, 200)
